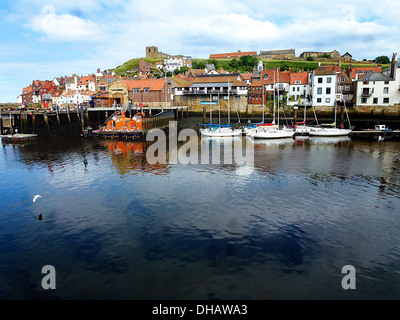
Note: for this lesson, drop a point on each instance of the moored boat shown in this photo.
(121, 126)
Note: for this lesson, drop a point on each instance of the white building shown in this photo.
(87, 83)
(71, 83)
(299, 87)
(173, 63)
(76, 97)
(377, 89)
(380, 88)
(323, 88)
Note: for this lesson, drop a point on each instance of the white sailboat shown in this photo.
(301, 128)
(272, 131)
(332, 130)
(218, 130)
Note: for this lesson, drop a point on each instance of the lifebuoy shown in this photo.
(342, 126)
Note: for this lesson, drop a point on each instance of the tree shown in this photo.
(184, 69)
(310, 58)
(382, 59)
(198, 65)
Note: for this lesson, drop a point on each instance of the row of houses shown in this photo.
(285, 54)
(358, 86)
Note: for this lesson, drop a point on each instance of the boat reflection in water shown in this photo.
(130, 157)
(273, 142)
(330, 140)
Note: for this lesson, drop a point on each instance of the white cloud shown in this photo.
(66, 27)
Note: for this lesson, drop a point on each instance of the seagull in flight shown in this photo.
(35, 198)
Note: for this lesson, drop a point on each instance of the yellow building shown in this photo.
(118, 93)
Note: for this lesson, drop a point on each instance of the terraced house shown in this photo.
(216, 89)
(380, 89)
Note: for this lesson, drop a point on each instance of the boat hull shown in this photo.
(127, 135)
(221, 133)
(275, 134)
(322, 132)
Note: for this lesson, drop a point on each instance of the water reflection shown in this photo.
(129, 157)
(117, 227)
(329, 140)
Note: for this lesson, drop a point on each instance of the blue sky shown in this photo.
(42, 39)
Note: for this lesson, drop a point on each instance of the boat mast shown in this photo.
(347, 114)
(273, 121)
(277, 74)
(229, 116)
(335, 111)
(219, 111)
(210, 110)
(262, 101)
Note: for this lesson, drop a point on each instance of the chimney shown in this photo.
(393, 66)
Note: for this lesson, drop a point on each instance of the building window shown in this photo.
(386, 82)
(328, 100)
(363, 100)
(319, 100)
(375, 101)
(146, 90)
(345, 97)
(386, 90)
(342, 79)
(329, 80)
(294, 89)
(328, 90)
(319, 91)
(347, 87)
(319, 80)
(385, 100)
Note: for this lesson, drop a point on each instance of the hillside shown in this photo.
(133, 64)
(231, 67)
(283, 64)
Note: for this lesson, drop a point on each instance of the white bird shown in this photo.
(36, 197)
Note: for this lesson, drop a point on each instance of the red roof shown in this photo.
(363, 70)
(335, 68)
(27, 89)
(57, 93)
(85, 80)
(70, 93)
(246, 76)
(153, 85)
(48, 85)
(232, 55)
(299, 76)
(270, 76)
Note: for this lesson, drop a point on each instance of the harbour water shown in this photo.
(116, 227)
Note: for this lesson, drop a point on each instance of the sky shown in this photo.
(43, 39)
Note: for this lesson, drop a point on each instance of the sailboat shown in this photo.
(301, 128)
(219, 130)
(270, 130)
(330, 130)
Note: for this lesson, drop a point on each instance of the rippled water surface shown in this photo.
(116, 227)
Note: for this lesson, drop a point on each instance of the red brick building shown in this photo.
(148, 92)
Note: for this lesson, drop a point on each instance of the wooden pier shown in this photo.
(375, 135)
(70, 120)
(18, 138)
